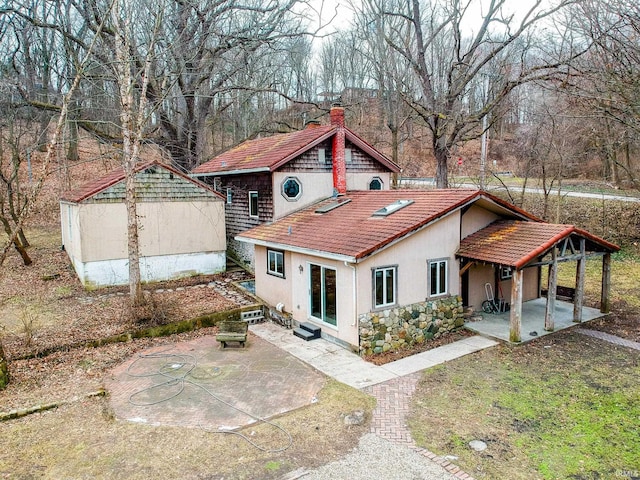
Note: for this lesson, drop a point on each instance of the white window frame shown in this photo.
(394, 300)
(438, 262)
(323, 306)
(253, 193)
(275, 254)
(506, 272)
(286, 197)
(229, 195)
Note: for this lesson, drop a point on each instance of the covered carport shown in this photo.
(522, 248)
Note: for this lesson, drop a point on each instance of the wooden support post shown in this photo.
(550, 313)
(605, 292)
(516, 306)
(580, 276)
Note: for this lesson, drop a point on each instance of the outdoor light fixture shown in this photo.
(301, 268)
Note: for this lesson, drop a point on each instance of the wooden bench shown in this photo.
(232, 331)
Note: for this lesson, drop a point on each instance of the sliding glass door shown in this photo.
(322, 292)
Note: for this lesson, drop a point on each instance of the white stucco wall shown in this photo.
(476, 218)
(438, 241)
(104, 273)
(270, 288)
(70, 229)
(317, 186)
(361, 180)
(479, 275)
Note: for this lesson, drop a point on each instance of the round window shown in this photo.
(291, 188)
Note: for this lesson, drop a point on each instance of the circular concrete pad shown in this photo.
(199, 384)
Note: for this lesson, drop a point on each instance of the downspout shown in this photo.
(355, 294)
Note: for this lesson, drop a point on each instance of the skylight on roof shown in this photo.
(330, 206)
(392, 208)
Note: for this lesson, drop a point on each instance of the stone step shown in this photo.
(303, 334)
(311, 328)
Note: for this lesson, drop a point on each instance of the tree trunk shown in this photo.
(442, 156)
(17, 241)
(129, 154)
(4, 369)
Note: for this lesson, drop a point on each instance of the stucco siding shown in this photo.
(474, 219)
(346, 329)
(361, 180)
(270, 288)
(437, 241)
(314, 186)
(70, 229)
(479, 275)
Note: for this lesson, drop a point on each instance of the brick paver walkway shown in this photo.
(609, 338)
(390, 418)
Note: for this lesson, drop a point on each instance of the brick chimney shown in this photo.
(337, 151)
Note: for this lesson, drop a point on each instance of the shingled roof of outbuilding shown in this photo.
(352, 231)
(100, 184)
(517, 243)
(270, 153)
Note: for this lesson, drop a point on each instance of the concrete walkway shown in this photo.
(607, 337)
(391, 384)
(349, 368)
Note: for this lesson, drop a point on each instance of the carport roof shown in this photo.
(517, 243)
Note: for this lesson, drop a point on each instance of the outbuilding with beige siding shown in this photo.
(181, 227)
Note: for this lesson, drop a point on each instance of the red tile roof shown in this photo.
(115, 176)
(350, 230)
(517, 243)
(270, 153)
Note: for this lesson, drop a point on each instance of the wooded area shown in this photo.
(554, 85)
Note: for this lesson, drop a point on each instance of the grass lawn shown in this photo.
(562, 407)
(566, 406)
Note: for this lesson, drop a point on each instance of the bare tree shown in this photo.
(451, 69)
(605, 90)
(200, 58)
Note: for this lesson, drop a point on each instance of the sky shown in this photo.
(327, 9)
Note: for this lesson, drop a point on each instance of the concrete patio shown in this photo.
(497, 325)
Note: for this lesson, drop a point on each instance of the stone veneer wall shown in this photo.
(401, 327)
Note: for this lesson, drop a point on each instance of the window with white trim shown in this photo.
(438, 277)
(229, 195)
(275, 263)
(291, 188)
(384, 286)
(506, 272)
(323, 294)
(253, 204)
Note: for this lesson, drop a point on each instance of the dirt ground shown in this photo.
(43, 306)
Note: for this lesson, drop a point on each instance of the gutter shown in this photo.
(305, 251)
(231, 172)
